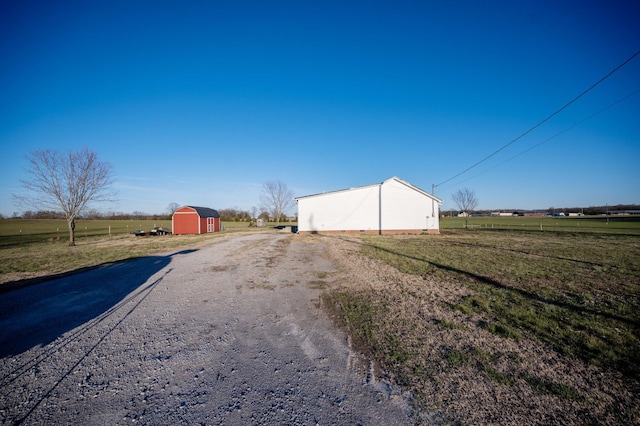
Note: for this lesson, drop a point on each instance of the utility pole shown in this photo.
(433, 192)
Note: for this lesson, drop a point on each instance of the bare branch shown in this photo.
(277, 199)
(466, 201)
(67, 182)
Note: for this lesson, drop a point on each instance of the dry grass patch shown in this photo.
(45, 258)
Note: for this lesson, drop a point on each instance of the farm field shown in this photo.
(37, 248)
(600, 224)
(502, 315)
(31, 230)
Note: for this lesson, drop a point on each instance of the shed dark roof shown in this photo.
(205, 211)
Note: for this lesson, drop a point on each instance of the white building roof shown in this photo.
(397, 179)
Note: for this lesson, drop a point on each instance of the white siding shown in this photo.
(404, 208)
(354, 209)
(391, 205)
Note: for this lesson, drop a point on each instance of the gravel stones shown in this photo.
(230, 333)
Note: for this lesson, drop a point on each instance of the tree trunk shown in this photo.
(72, 232)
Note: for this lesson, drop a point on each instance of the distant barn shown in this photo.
(390, 207)
(195, 220)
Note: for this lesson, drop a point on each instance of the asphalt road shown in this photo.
(231, 333)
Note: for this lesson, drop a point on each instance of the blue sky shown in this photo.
(200, 103)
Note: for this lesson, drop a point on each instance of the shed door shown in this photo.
(210, 224)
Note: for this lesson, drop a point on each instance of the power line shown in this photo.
(545, 120)
(635, 92)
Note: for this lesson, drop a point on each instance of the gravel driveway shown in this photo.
(229, 333)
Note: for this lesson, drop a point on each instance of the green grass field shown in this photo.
(33, 230)
(13, 231)
(34, 248)
(598, 224)
(577, 293)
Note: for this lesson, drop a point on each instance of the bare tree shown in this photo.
(67, 181)
(277, 199)
(172, 207)
(466, 201)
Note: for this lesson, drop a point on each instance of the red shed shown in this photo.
(195, 220)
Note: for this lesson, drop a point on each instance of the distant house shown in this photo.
(390, 207)
(195, 220)
(504, 214)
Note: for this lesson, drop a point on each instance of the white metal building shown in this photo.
(390, 207)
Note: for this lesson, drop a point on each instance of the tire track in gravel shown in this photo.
(229, 334)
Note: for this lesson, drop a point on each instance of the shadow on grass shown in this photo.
(497, 284)
(543, 255)
(37, 312)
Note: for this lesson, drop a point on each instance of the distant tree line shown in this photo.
(89, 215)
(601, 209)
(226, 215)
(234, 215)
(587, 211)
